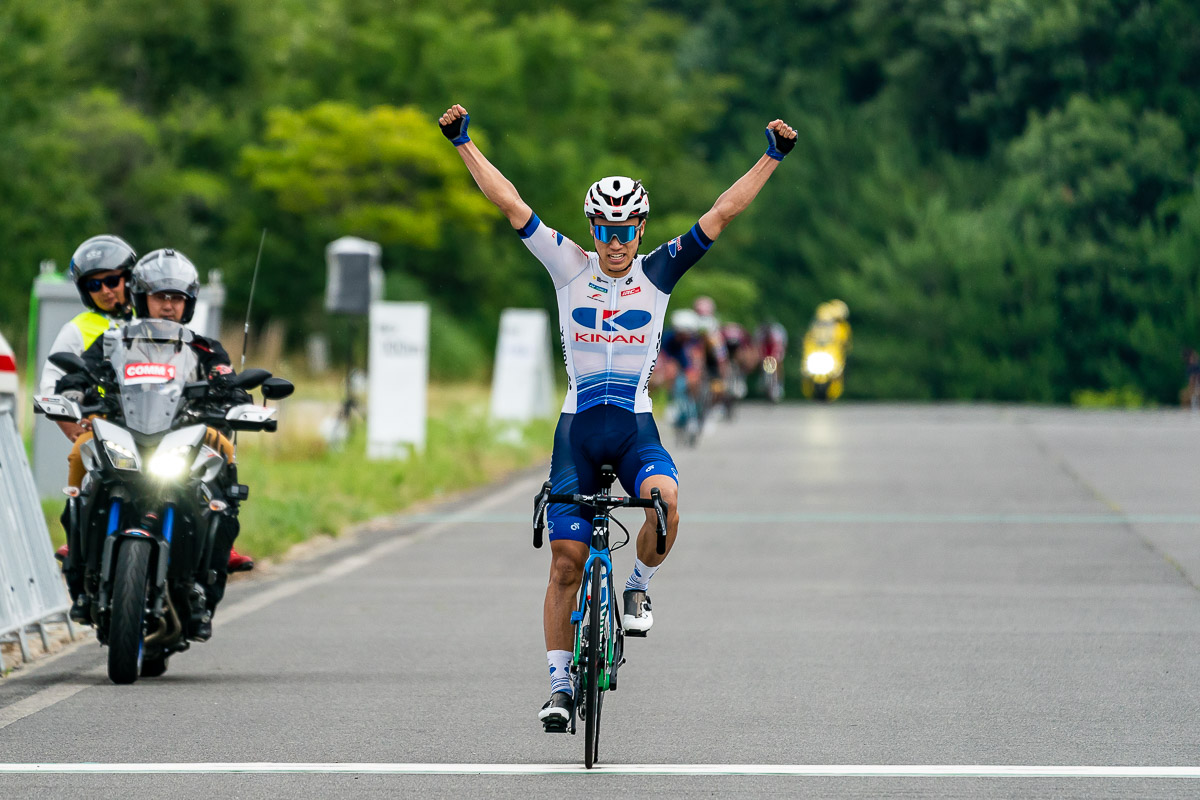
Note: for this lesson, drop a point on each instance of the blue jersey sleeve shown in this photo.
(667, 263)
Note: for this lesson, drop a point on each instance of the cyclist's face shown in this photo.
(616, 256)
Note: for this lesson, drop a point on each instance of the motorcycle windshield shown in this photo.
(152, 362)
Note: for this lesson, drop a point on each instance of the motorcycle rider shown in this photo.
(100, 269)
(165, 285)
(611, 308)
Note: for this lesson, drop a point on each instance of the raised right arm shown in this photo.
(491, 181)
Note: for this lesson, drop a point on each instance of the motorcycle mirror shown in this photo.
(249, 379)
(195, 390)
(277, 388)
(68, 362)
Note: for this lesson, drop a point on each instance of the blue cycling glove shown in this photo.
(778, 146)
(456, 131)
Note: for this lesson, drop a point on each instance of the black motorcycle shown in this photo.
(157, 500)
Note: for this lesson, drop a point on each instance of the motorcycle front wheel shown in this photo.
(126, 629)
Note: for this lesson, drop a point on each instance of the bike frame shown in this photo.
(599, 552)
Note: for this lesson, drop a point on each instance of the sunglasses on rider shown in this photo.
(624, 233)
(112, 282)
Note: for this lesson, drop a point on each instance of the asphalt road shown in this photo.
(922, 598)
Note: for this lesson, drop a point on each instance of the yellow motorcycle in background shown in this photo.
(823, 362)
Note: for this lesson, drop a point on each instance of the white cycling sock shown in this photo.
(560, 670)
(640, 578)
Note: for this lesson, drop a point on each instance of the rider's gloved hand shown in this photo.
(71, 383)
(75, 395)
(778, 145)
(456, 131)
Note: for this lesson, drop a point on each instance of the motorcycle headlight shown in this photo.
(170, 464)
(121, 457)
(819, 363)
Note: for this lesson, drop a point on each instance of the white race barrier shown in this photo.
(31, 586)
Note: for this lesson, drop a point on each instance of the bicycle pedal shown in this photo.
(554, 725)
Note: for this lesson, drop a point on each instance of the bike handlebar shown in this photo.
(603, 505)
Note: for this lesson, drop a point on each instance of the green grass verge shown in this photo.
(300, 487)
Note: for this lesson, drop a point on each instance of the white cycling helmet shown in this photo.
(684, 320)
(616, 199)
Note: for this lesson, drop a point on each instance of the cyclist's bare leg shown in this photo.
(647, 536)
(567, 558)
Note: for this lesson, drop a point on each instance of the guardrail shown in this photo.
(32, 592)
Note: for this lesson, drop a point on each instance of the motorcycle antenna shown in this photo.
(250, 304)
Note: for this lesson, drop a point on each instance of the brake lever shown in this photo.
(539, 513)
(660, 510)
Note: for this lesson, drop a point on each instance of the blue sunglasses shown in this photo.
(624, 233)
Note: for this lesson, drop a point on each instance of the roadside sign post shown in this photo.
(398, 371)
(522, 384)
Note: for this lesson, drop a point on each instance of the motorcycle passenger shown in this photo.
(612, 303)
(100, 269)
(165, 285)
(839, 312)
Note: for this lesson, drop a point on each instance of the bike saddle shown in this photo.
(607, 476)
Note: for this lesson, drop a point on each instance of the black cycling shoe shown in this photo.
(637, 618)
(556, 713)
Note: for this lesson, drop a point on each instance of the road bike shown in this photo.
(685, 412)
(599, 635)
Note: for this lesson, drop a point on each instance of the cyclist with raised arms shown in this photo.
(611, 306)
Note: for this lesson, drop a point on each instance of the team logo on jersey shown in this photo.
(599, 298)
(628, 292)
(611, 322)
(611, 319)
(674, 246)
(558, 237)
(598, 288)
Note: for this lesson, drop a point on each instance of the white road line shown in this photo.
(784, 770)
(47, 697)
(348, 564)
(62, 691)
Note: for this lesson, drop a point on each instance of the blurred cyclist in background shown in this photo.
(716, 356)
(772, 341)
(681, 362)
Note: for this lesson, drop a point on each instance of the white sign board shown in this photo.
(522, 385)
(398, 364)
(200, 317)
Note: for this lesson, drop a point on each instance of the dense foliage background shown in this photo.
(1002, 190)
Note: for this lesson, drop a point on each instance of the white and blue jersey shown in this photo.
(611, 328)
(611, 331)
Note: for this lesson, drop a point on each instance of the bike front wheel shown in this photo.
(593, 667)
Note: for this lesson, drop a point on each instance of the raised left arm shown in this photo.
(781, 138)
